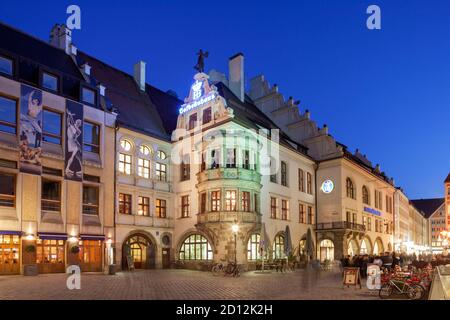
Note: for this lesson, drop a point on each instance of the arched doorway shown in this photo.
(378, 247)
(389, 247)
(326, 250)
(139, 250)
(352, 248)
(365, 247)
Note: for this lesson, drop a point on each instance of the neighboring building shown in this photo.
(418, 231)
(401, 220)
(56, 148)
(434, 211)
(354, 198)
(447, 200)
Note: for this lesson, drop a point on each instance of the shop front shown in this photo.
(50, 252)
(90, 253)
(9, 252)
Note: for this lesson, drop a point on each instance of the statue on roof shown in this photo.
(200, 66)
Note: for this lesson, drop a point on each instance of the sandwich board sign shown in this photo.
(352, 277)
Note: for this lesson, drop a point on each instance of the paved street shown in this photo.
(183, 285)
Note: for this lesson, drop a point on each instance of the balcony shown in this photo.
(229, 216)
(229, 173)
(341, 225)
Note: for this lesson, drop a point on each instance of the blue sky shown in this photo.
(386, 92)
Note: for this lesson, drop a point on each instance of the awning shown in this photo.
(52, 236)
(92, 237)
(15, 233)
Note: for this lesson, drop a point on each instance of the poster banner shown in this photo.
(74, 141)
(30, 137)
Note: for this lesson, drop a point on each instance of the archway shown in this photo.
(389, 247)
(352, 248)
(378, 247)
(138, 249)
(326, 250)
(365, 247)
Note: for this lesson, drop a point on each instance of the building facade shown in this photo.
(56, 142)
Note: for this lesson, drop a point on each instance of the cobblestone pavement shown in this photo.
(184, 285)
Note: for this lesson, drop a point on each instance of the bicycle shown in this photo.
(230, 269)
(410, 288)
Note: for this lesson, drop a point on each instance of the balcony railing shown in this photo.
(236, 173)
(229, 216)
(341, 225)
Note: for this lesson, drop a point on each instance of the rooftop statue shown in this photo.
(200, 66)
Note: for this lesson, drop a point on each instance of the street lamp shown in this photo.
(235, 229)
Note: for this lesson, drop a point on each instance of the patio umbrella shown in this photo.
(287, 242)
(309, 244)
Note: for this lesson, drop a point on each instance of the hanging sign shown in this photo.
(30, 134)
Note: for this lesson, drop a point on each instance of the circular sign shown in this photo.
(327, 186)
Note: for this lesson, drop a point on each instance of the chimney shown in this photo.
(139, 74)
(61, 37)
(236, 75)
(86, 69)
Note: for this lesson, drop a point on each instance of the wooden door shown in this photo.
(166, 258)
(9, 254)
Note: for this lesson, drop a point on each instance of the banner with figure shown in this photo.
(30, 134)
(74, 141)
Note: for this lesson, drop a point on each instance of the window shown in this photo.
(7, 190)
(278, 247)
(196, 247)
(88, 95)
(185, 169)
(144, 168)
(350, 189)
(161, 208)
(144, 150)
(355, 217)
(283, 173)
(246, 159)
(284, 209)
(378, 200)
(185, 206)
(51, 195)
(369, 224)
(215, 158)
(348, 216)
(301, 213)
(253, 245)
(161, 172)
(52, 124)
(273, 177)
(215, 200)
(309, 183)
(125, 203)
(364, 220)
(365, 195)
(230, 200)
(126, 145)
(90, 200)
(310, 215)
(50, 251)
(161, 155)
(144, 206)
(206, 115)
(192, 121)
(273, 208)
(256, 204)
(231, 158)
(124, 163)
(49, 81)
(203, 202)
(246, 201)
(91, 137)
(8, 115)
(6, 66)
(301, 180)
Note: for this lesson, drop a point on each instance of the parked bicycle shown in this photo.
(410, 287)
(229, 269)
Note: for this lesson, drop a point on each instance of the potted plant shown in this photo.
(31, 248)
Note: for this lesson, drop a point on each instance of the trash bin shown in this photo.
(112, 269)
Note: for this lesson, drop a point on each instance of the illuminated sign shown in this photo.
(197, 103)
(327, 186)
(372, 211)
(198, 89)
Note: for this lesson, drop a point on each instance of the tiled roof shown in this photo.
(447, 179)
(428, 206)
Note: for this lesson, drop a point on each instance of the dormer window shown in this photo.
(6, 66)
(88, 96)
(192, 121)
(206, 115)
(49, 81)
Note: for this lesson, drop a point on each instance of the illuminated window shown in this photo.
(144, 150)
(161, 155)
(161, 171)
(125, 203)
(309, 189)
(278, 247)
(284, 209)
(144, 206)
(301, 213)
(90, 200)
(215, 200)
(50, 251)
(144, 168)
(126, 145)
(185, 206)
(195, 247)
(253, 245)
(230, 200)
(161, 208)
(273, 208)
(246, 201)
(365, 195)
(124, 163)
(301, 180)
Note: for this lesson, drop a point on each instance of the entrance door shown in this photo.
(166, 258)
(90, 255)
(138, 250)
(50, 256)
(9, 254)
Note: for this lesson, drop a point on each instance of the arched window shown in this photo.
(326, 250)
(126, 145)
(196, 247)
(253, 247)
(278, 247)
(144, 150)
(350, 189)
(161, 155)
(365, 195)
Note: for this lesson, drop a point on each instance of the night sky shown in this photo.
(386, 92)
